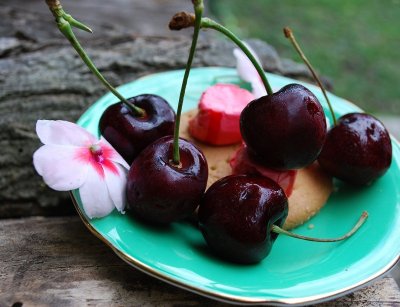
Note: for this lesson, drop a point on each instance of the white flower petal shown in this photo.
(245, 68)
(95, 197)
(328, 123)
(60, 168)
(258, 88)
(59, 132)
(115, 156)
(248, 73)
(116, 184)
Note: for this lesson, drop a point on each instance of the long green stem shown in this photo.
(198, 8)
(184, 20)
(359, 223)
(289, 34)
(209, 23)
(65, 23)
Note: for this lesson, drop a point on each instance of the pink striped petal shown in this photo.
(111, 154)
(94, 195)
(116, 184)
(59, 132)
(59, 168)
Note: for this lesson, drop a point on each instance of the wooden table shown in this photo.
(57, 262)
(47, 257)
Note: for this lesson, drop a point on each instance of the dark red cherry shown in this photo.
(161, 192)
(357, 149)
(130, 134)
(285, 130)
(236, 215)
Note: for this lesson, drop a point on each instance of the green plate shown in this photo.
(295, 272)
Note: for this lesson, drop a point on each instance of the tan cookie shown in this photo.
(311, 188)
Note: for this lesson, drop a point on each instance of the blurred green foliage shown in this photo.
(354, 42)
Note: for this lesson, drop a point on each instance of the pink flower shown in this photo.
(72, 158)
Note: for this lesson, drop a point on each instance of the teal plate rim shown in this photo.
(306, 284)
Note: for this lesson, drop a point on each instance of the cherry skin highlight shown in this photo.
(159, 191)
(130, 134)
(236, 215)
(285, 130)
(357, 150)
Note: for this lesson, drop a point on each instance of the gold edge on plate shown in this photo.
(232, 298)
(226, 297)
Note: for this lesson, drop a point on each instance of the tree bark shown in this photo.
(41, 77)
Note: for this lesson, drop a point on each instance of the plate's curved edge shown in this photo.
(222, 296)
(225, 297)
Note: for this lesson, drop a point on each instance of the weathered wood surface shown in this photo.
(57, 262)
(41, 77)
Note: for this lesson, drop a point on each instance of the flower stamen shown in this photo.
(97, 153)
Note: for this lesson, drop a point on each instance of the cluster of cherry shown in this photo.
(239, 215)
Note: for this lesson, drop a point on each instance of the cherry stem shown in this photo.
(198, 9)
(209, 23)
(359, 223)
(184, 20)
(65, 22)
(289, 34)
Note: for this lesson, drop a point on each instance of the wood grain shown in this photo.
(57, 262)
(41, 77)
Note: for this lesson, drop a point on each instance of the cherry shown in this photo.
(285, 130)
(240, 217)
(168, 178)
(161, 192)
(128, 133)
(237, 213)
(128, 125)
(357, 149)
